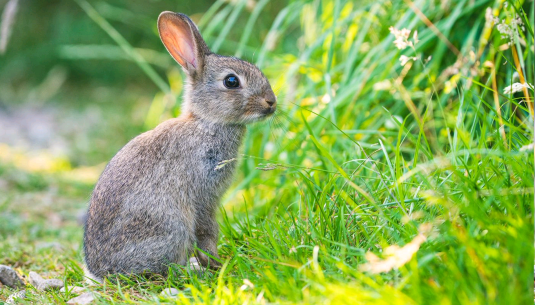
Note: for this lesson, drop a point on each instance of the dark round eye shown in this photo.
(231, 81)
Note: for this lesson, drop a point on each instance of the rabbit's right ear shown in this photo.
(183, 41)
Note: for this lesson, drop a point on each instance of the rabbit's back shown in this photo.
(155, 192)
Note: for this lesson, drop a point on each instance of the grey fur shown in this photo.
(157, 198)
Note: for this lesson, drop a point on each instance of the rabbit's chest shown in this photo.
(217, 163)
(218, 152)
(206, 162)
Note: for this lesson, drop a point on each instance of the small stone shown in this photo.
(84, 298)
(195, 265)
(41, 284)
(72, 289)
(169, 292)
(19, 295)
(9, 277)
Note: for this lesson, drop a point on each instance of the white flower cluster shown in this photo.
(507, 31)
(490, 16)
(402, 38)
(517, 87)
(405, 59)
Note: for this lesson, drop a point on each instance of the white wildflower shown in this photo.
(508, 30)
(405, 59)
(505, 30)
(402, 38)
(518, 23)
(517, 87)
(490, 17)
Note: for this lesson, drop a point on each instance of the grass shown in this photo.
(427, 163)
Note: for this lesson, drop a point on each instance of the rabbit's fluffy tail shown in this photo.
(90, 278)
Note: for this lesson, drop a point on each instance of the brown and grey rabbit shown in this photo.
(157, 198)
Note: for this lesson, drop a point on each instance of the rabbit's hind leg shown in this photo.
(207, 235)
(154, 255)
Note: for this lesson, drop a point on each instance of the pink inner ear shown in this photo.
(178, 39)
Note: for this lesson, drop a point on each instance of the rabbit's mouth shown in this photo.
(267, 112)
(270, 111)
(253, 117)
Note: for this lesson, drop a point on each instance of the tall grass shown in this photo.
(366, 156)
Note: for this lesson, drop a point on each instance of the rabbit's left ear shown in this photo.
(183, 41)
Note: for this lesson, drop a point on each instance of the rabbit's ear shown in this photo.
(183, 41)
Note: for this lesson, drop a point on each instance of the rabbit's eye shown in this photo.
(231, 81)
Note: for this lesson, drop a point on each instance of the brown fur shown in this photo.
(157, 198)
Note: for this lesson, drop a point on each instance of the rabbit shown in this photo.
(156, 200)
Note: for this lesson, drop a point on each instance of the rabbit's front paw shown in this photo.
(208, 262)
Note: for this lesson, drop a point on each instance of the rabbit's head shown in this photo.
(219, 89)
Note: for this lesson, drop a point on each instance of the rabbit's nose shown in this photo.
(270, 98)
